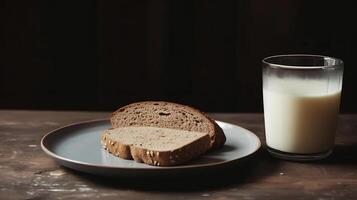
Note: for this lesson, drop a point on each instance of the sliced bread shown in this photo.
(168, 115)
(155, 146)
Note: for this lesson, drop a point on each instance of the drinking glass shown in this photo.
(301, 96)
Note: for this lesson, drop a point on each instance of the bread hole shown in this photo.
(164, 113)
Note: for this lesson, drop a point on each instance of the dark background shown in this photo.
(99, 55)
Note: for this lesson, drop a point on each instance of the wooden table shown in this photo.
(28, 173)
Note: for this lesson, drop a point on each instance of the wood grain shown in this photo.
(27, 173)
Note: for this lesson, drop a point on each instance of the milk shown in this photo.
(300, 115)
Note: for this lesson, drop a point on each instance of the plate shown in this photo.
(77, 146)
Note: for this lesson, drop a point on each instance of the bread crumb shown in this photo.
(205, 195)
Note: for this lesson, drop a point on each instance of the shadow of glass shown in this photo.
(247, 170)
(342, 154)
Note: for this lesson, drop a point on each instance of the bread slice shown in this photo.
(155, 146)
(168, 115)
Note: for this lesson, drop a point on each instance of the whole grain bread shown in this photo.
(155, 146)
(168, 115)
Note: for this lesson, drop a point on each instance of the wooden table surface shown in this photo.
(28, 173)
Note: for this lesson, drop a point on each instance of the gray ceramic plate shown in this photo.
(78, 146)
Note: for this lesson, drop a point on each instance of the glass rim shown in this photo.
(339, 62)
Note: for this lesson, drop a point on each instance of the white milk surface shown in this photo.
(300, 115)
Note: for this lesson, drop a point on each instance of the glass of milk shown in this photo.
(301, 95)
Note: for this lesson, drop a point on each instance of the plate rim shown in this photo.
(178, 167)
